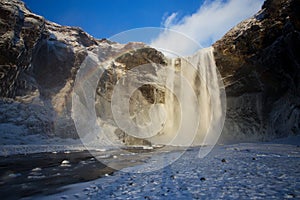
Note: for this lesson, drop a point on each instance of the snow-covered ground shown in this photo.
(19, 143)
(240, 171)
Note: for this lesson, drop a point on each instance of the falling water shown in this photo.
(192, 112)
(193, 101)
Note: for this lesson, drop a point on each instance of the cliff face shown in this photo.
(259, 61)
(39, 61)
(140, 101)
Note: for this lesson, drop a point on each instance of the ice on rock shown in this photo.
(36, 169)
(65, 163)
(14, 175)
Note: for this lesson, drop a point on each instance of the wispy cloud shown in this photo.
(212, 20)
(170, 20)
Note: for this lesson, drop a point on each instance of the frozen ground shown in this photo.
(37, 144)
(239, 171)
(13, 140)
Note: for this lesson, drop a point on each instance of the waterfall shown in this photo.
(192, 112)
(194, 107)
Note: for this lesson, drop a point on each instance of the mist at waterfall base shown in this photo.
(193, 112)
(194, 104)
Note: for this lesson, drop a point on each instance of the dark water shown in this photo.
(42, 174)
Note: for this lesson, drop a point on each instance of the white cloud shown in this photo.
(212, 20)
(170, 21)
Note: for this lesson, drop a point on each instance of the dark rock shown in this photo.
(140, 57)
(223, 160)
(259, 61)
(39, 61)
(131, 183)
(38, 64)
(202, 179)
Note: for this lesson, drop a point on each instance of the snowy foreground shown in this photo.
(239, 171)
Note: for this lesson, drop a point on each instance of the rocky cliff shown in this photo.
(259, 61)
(39, 61)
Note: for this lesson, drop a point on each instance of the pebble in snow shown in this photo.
(65, 163)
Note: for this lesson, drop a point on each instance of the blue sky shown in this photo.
(202, 21)
(104, 18)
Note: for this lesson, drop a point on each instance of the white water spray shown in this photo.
(194, 99)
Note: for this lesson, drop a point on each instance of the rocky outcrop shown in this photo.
(39, 61)
(142, 98)
(259, 61)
